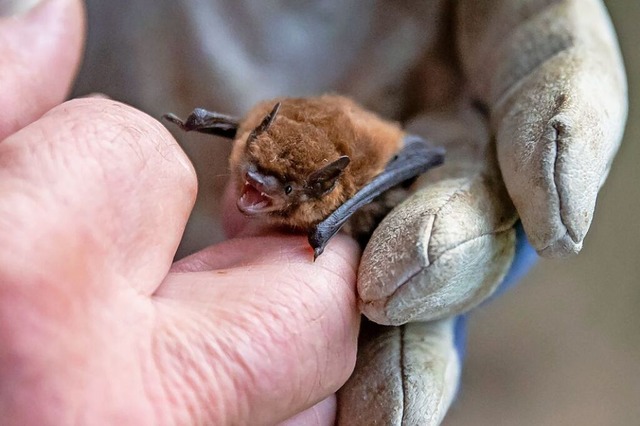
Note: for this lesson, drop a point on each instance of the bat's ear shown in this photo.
(323, 180)
(267, 120)
(264, 125)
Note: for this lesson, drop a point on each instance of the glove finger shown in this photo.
(554, 158)
(457, 244)
(552, 77)
(405, 375)
(414, 368)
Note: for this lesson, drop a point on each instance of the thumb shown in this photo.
(40, 48)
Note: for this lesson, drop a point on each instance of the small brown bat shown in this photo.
(316, 163)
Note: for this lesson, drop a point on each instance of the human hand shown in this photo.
(97, 325)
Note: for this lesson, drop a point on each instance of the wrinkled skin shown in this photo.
(98, 324)
(528, 96)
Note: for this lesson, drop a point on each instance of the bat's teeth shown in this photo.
(263, 194)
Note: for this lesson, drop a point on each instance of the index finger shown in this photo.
(266, 331)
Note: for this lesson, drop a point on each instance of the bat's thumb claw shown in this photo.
(317, 251)
(316, 241)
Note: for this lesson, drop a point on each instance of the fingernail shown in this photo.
(16, 7)
(95, 95)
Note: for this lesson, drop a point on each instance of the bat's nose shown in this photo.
(263, 183)
(260, 194)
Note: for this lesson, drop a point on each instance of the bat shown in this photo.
(318, 164)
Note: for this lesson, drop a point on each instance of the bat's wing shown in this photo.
(204, 121)
(416, 157)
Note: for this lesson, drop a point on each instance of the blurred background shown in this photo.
(563, 348)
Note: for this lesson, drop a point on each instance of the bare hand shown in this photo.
(97, 326)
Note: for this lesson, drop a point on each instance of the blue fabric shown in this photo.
(523, 260)
(461, 336)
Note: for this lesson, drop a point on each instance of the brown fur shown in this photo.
(309, 133)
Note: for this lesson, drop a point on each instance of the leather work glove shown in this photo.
(530, 135)
(527, 96)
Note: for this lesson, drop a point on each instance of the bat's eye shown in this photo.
(288, 189)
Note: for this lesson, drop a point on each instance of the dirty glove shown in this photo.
(530, 137)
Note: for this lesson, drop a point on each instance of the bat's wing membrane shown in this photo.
(416, 157)
(203, 121)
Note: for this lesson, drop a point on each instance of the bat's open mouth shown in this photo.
(253, 201)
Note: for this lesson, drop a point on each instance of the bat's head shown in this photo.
(288, 170)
